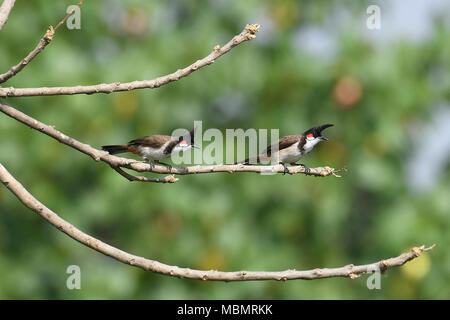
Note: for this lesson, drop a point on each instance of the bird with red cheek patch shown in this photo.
(155, 147)
(291, 148)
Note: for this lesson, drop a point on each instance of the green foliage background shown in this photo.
(221, 221)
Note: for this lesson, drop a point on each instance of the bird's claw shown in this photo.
(286, 170)
(166, 165)
(151, 165)
(307, 170)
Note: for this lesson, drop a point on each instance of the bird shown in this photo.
(291, 148)
(155, 147)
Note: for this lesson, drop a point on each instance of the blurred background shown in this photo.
(387, 92)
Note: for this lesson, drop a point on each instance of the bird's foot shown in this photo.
(151, 164)
(286, 170)
(307, 170)
(166, 165)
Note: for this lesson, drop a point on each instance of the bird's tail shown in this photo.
(116, 148)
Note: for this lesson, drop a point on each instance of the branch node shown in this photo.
(383, 265)
(171, 179)
(49, 34)
(353, 275)
(417, 250)
(251, 29)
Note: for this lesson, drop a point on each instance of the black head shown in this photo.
(189, 138)
(316, 132)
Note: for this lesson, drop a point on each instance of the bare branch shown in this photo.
(247, 34)
(46, 39)
(5, 10)
(167, 179)
(138, 166)
(349, 271)
(231, 168)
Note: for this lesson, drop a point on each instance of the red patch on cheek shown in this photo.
(310, 135)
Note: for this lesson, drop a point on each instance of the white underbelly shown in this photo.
(151, 153)
(288, 155)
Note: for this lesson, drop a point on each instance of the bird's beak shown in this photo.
(195, 147)
(323, 138)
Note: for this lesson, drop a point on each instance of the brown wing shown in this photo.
(283, 143)
(153, 141)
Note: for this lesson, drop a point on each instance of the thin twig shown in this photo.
(46, 39)
(247, 34)
(349, 271)
(5, 10)
(167, 179)
(68, 15)
(139, 166)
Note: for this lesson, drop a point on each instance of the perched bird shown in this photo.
(291, 148)
(155, 147)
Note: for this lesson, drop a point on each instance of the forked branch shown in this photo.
(46, 39)
(247, 34)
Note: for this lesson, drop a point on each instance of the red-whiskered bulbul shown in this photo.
(155, 147)
(291, 148)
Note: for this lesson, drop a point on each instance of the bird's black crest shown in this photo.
(189, 137)
(316, 131)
